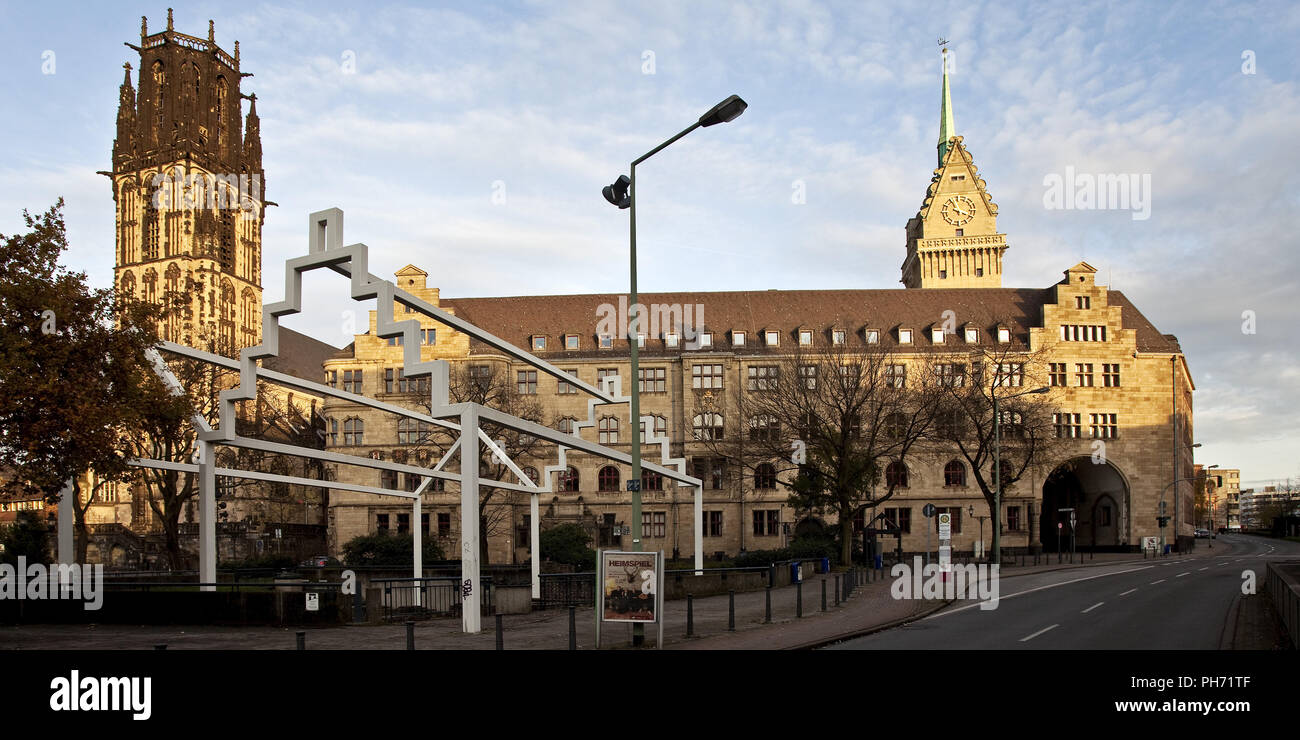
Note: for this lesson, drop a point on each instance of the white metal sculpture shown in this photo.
(326, 250)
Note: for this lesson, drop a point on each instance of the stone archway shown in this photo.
(1099, 494)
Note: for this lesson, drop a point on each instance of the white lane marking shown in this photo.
(1180, 575)
(1126, 593)
(1094, 606)
(1205, 568)
(1039, 632)
(1036, 588)
(1159, 581)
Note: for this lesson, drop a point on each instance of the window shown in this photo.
(771, 338)
(1103, 426)
(706, 376)
(708, 426)
(1083, 374)
(396, 341)
(539, 343)
(954, 474)
(808, 376)
(570, 341)
(332, 378)
(403, 523)
(1056, 374)
(430, 336)
(936, 335)
(1010, 374)
(531, 473)
(955, 511)
(838, 336)
(950, 374)
(1082, 301)
(710, 470)
(944, 273)
(1105, 516)
(388, 479)
(353, 431)
(1004, 334)
(660, 430)
(444, 525)
(1110, 375)
(901, 518)
(764, 477)
(605, 372)
(767, 522)
(805, 337)
(654, 524)
(706, 339)
(563, 387)
(607, 479)
(764, 428)
(412, 431)
(526, 382)
(873, 336)
(352, 381)
(896, 475)
(671, 339)
(652, 380)
(640, 341)
(606, 341)
(896, 375)
(651, 481)
(480, 377)
(972, 335)
(737, 339)
(1067, 426)
(570, 480)
(763, 377)
(388, 380)
(1083, 333)
(381, 523)
(904, 336)
(565, 424)
(608, 428)
(334, 431)
(1013, 518)
(713, 524)
(979, 271)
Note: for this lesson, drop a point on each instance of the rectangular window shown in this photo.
(403, 523)
(388, 380)
(654, 524)
(352, 381)
(526, 382)
(767, 522)
(950, 374)
(444, 525)
(763, 377)
(332, 378)
(539, 343)
(936, 335)
(972, 336)
(706, 376)
(873, 336)
(1082, 301)
(1083, 333)
(1083, 374)
(900, 517)
(1013, 518)
(652, 380)
(570, 341)
(808, 376)
(605, 372)
(381, 523)
(838, 336)
(1067, 426)
(480, 377)
(713, 524)
(606, 341)
(396, 341)
(1103, 426)
(805, 337)
(896, 376)
(412, 482)
(772, 338)
(904, 336)
(1010, 374)
(1004, 334)
(424, 523)
(706, 339)
(562, 387)
(1110, 375)
(710, 471)
(1056, 374)
(670, 340)
(388, 479)
(738, 339)
(430, 336)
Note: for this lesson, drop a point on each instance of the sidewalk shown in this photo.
(870, 608)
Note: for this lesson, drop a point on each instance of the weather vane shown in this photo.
(944, 43)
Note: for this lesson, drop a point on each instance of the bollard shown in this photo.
(690, 615)
(410, 635)
(302, 640)
(731, 611)
(358, 607)
(837, 589)
(798, 599)
(573, 628)
(501, 634)
(767, 619)
(823, 594)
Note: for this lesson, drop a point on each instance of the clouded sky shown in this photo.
(541, 104)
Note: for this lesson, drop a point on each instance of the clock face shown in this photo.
(958, 210)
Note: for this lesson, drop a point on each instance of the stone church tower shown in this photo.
(953, 241)
(189, 188)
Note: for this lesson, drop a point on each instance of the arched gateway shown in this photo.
(1099, 494)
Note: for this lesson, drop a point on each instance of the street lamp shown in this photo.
(996, 513)
(622, 193)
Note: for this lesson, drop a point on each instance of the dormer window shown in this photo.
(640, 341)
(904, 336)
(873, 336)
(805, 337)
(737, 339)
(972, 335)
(1004, 334)
(772, 338)
(606, 341)
(570, 341)
(706, 339)
(671, 339)
(838, 336)
(936, 334)
(539, 343)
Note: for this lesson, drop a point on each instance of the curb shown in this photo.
(822, 642)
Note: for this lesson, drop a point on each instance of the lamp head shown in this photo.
(617, 193)
(724, 112)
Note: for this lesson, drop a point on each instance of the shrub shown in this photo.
(387, 549)
(568, 544)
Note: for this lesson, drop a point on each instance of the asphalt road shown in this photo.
(1168, 604)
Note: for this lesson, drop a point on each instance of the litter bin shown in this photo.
(826, 565)
(796, 573)
(1168, 549)
(880, 562)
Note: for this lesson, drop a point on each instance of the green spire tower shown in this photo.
(947, 129)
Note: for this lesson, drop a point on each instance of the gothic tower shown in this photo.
(190, 190)
(953, 241)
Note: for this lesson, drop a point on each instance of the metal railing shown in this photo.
(425, 598)
(567, 589)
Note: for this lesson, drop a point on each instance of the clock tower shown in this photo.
(953, 241)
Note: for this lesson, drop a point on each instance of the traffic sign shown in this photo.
(945, 526)
(313, 602)
(927, 510)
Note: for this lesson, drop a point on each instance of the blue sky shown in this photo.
(547, 102)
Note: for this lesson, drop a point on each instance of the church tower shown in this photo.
(953, 241)
(190, 190)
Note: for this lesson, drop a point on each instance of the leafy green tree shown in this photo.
(568, 544)
(26, 537)
(388, 549)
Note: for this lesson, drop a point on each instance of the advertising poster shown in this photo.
(629, 592)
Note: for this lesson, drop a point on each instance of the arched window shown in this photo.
(764, 477)
(708, 426)
(607, 480)
(151, 286)
(531, 473)
(565, 424)
(412, 431)
(1005, 472)
(569, 480)
(661, 427)
(954, 474)
(159, 100)
(608, 430)
(896, 475)
(353, 431)
(227, 322)
(221, 114)
(651, 481)
(128, 284)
